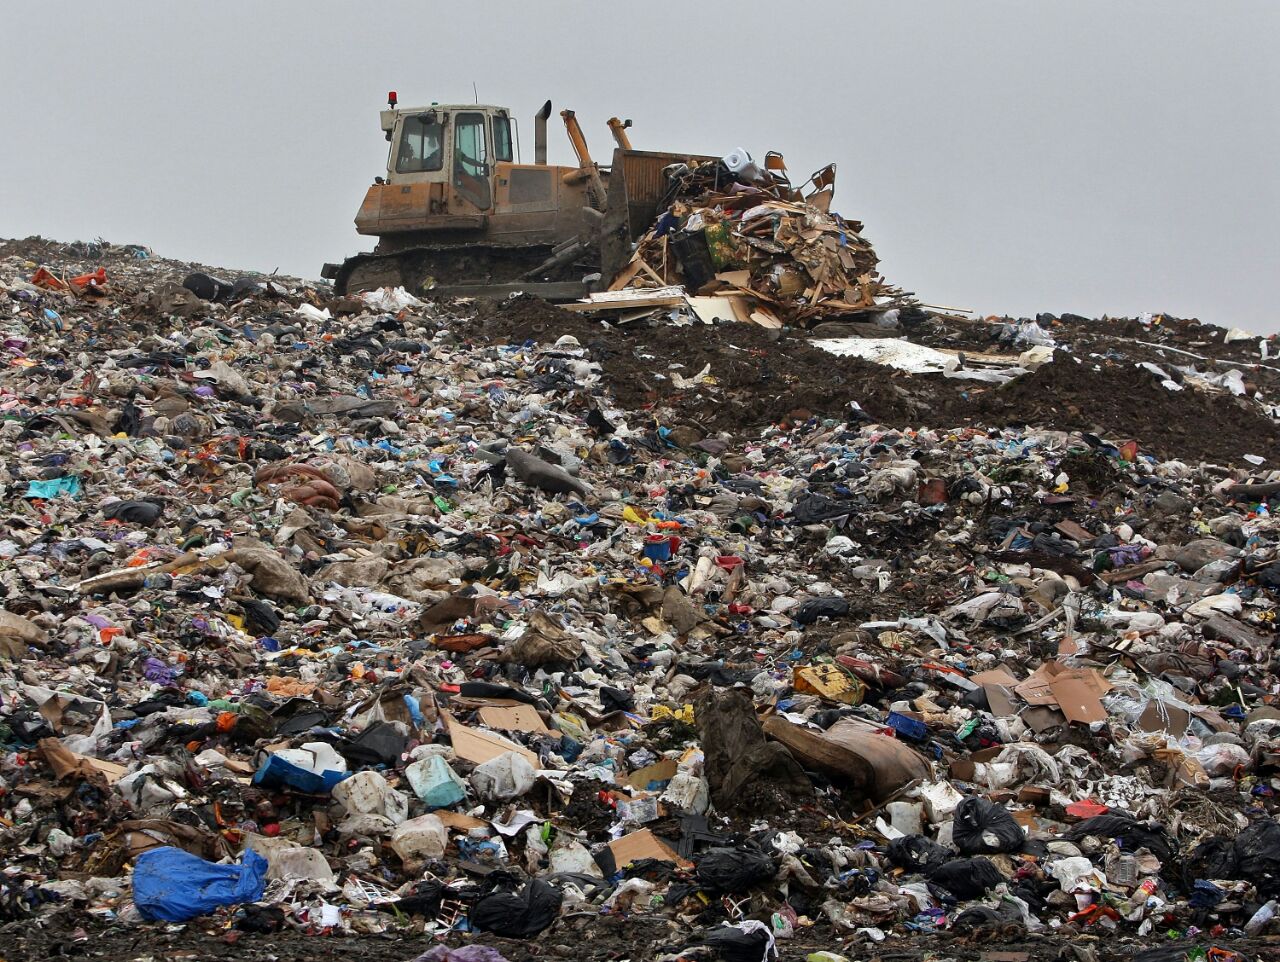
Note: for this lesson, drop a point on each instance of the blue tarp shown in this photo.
(174, 885)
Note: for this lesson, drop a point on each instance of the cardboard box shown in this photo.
(644, 844)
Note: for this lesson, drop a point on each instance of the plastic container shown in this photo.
(907, 727)
(739, 163)
(418, 838)
(367, 793)
(436, 783)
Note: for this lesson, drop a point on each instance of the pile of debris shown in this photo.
(750, 247)
(372, 617)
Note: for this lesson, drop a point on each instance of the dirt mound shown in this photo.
(764, 377)
(761, 376)
(1119, 400)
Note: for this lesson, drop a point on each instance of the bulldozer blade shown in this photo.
(547, 290)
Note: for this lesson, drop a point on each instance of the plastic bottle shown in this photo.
(1260, 919)
(1138, 904)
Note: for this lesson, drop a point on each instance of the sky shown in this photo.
(1005, 156)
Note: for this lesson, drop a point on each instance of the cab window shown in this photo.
(420, 146)
(469, 155)
(502, 139)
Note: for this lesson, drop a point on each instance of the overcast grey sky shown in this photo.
(1005, 155)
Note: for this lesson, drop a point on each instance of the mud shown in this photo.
(766, 377)
(582, 937)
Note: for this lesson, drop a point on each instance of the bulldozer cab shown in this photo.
(454, 146)
(457, 203)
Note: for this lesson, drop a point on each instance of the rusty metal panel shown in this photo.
(644, 183)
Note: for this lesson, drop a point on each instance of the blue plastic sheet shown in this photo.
(53, 488)
(173, 885)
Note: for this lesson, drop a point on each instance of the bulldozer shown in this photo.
(458, 213)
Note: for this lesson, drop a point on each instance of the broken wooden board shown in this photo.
(629, 299)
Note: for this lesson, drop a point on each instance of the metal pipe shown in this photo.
(540, 134)
(619, 128)
(577, 138)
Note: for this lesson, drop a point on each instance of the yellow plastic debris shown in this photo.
(830, 682)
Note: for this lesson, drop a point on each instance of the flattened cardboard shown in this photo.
(1074, 531)
(962, 770)
(1083, 687)
(513, 718)
(994, 676)
(478, 747)
(643, 844)
(1035, 690)
(1043, 718)
(1077, 699)
(1026, 819)
(1000, 700)
(1214, 720)
(1160, 716)
(65, 763)
(1034, 795)
(659, 771)
(463, 823)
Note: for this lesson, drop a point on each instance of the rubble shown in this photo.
(736, 242)
(468, 631)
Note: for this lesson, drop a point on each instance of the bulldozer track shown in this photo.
(441, 264)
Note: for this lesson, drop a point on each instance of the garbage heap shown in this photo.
(773, 254)
(356, 618)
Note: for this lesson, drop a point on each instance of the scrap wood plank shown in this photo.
(656, 301)
(626, 274)
(644, 266)
(954, 310)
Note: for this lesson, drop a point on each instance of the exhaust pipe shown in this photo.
(540, 134)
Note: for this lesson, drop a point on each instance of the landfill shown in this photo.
(461, 631)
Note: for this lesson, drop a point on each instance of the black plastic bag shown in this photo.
(489, 689)
(1129, 833)
(810, 611)
(816, 508)
(615, 699)
(302, 720)
(1258, 852)
(261, 919)
(206, 287)
(134, 512)
(965, 878)
(915, 853)
(734, 944)
(379, 744)
(1214, 858)
(733, 869)
(518, 915)
(260, 615)
(424, 899)
(984, 828)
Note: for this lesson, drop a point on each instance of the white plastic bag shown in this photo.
(508, 776)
